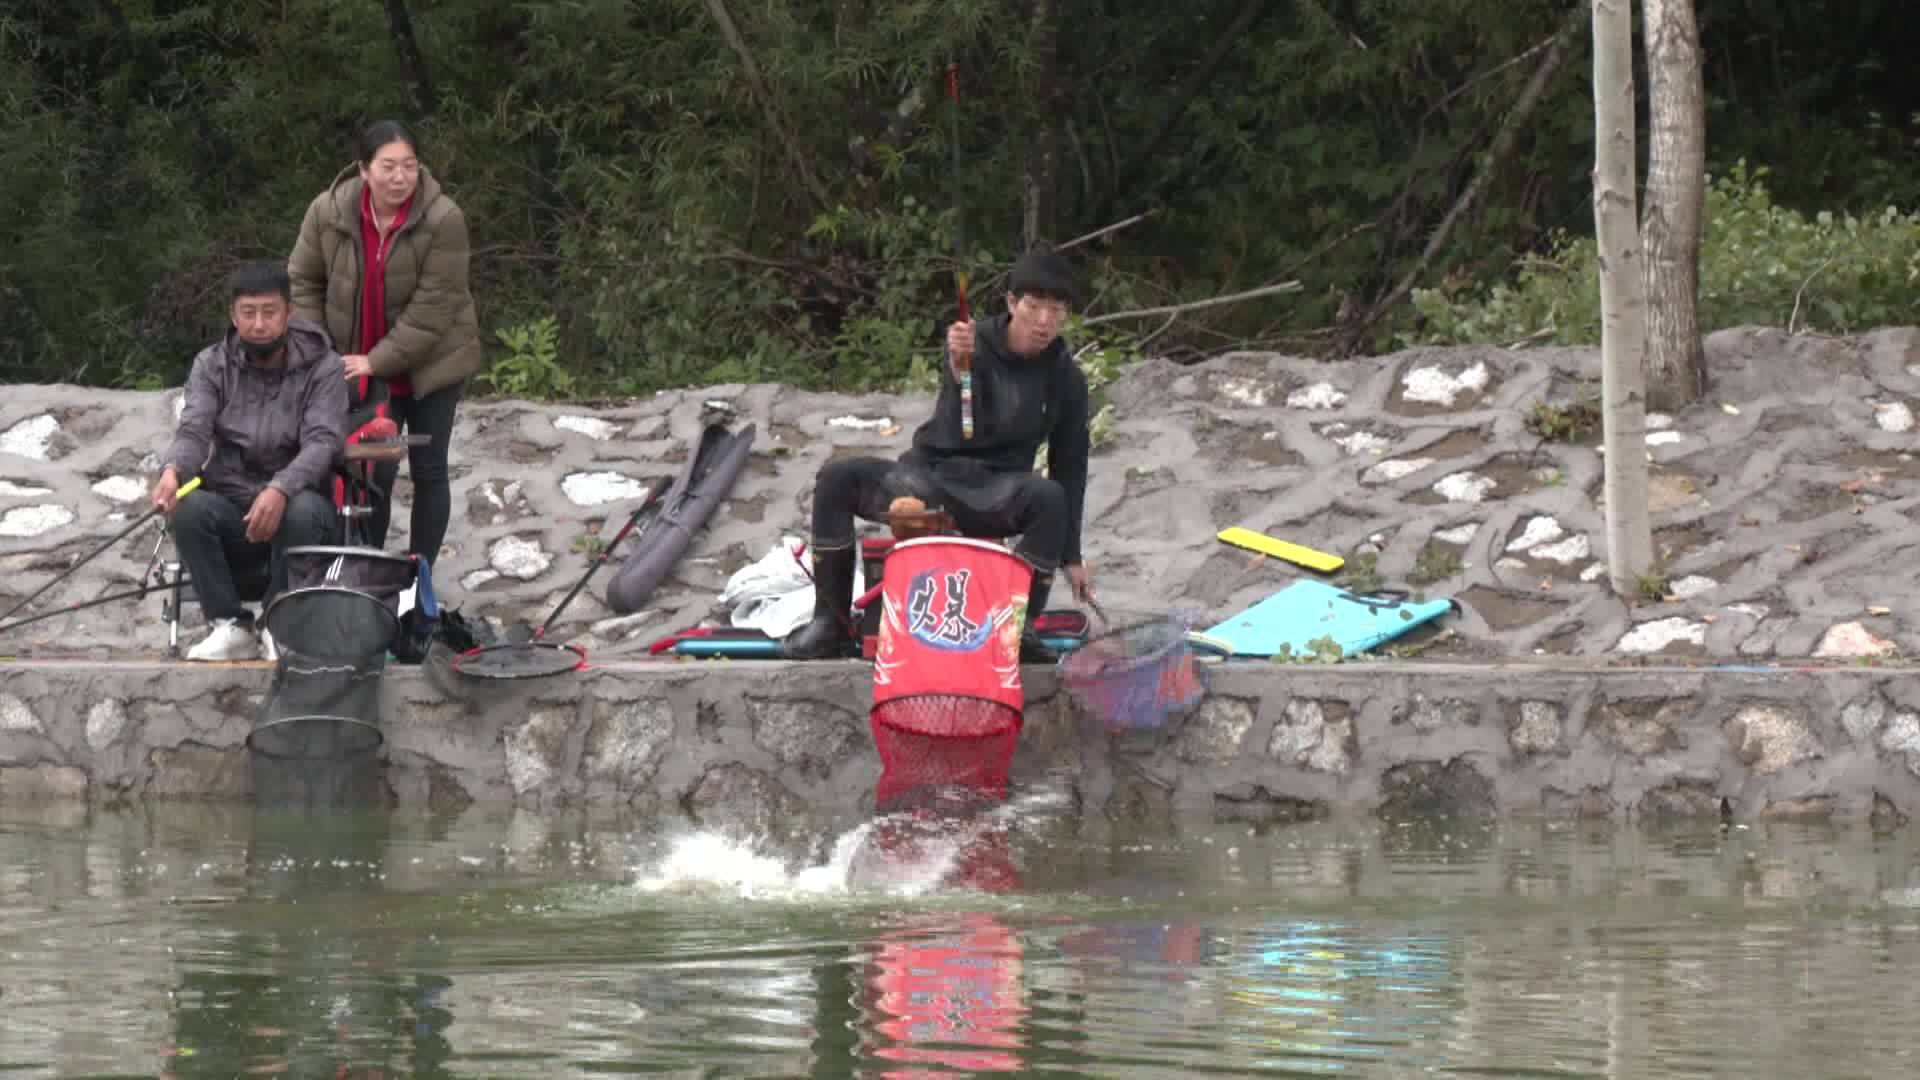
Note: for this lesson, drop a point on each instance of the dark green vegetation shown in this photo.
(692, 191)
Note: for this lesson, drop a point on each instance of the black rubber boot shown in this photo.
(1032, 649)
(829, 636)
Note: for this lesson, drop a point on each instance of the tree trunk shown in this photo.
(1043, 136)
(1676, 194)
(1623, 299)
(410, 59)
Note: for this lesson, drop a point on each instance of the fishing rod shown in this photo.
(185, 489)
(82, 605)
(962, 365)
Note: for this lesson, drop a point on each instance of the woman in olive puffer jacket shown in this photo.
(381, 262)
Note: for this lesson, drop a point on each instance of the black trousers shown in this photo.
(986, 504)
(210, 533)
(431, 415)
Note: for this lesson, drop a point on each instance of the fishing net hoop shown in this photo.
(1133, 677)
(332, 629)
(512, 661)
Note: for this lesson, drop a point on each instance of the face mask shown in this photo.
(260, 350)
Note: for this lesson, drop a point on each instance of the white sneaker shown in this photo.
(267, 652)
(227, 641)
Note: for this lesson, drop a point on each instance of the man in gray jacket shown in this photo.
(263, 423)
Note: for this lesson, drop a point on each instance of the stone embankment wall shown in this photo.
(770, 745)
(1783, 506)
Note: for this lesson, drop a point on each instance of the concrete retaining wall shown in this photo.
(764, 743)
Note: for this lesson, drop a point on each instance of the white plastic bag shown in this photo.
(779, 571)
(775, 594)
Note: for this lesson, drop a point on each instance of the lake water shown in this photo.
(229, 941)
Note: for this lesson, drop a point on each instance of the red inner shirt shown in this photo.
(373, 284)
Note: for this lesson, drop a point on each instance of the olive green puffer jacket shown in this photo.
(433, 334)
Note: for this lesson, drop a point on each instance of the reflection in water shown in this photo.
(198, 941)
(947, 992)
(1325, 994)
(328, 992)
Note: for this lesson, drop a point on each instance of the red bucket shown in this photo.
(947, 697)
(951, 621)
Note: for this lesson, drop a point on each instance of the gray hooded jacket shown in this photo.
(244, 427)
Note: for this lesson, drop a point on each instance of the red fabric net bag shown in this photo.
(947, 699)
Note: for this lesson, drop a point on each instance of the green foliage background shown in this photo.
(637, 224)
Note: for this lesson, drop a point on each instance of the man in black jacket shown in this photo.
(1027, 392)
(262, 421)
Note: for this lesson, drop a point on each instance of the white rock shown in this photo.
(1432, 386)
(1692, 585)
(1393, 470)
(1571, 550)
(1594, 572)
(1851, 641)
(1539, 530)
(517, 558)
(34, 520)
(1663, 438)
(1654, 636)
(1459, 534)
(120, 489)
(1658, 421)
(1362, 442)
(1510, 563)
(861, 423)
(11, 490)
(1464, 487)
(1758, 611)
(1902, 736)
(1893, 416)
(1318, 396)
(29, 437)
(1244, 391)
(105, 721)
(591, 426)
(16, 716)
(598, 488)
(476, 578)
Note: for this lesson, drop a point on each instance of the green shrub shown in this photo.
(530, 367)
(1760, 264)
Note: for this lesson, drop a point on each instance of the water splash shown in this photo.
(710, 861)
(869, 858)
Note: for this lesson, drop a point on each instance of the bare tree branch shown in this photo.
(1106, 229)
(1197, 80)
(718, 9)
(1196, 305)
(1497, 153)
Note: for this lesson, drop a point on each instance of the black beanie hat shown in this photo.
(1041, 271)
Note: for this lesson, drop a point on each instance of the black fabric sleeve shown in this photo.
(1068, 447)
